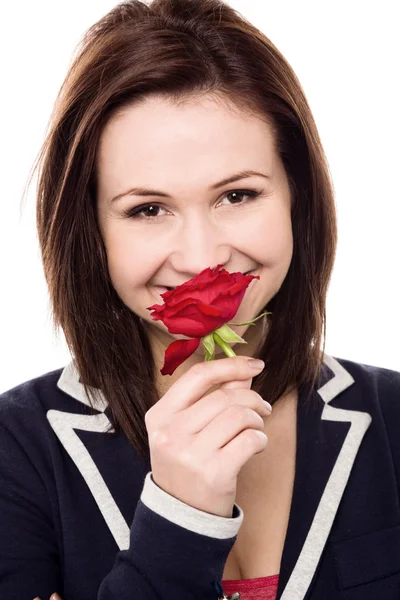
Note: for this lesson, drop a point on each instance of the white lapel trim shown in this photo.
(64, 425)
(307, 562)
(70, 384)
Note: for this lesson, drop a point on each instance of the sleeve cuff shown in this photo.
(186, 516)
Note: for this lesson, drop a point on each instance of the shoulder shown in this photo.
(370, 373)
(375, 389)
(383, 381)
(28, 401)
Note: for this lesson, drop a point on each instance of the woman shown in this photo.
(182, 140)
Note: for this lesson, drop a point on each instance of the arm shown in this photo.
(176, 551)
(29, 560)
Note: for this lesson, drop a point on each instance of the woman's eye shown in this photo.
(150, 211)
(238, 194)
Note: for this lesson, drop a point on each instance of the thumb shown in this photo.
(240, 384)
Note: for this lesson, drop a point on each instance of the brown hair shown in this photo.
(179, 49)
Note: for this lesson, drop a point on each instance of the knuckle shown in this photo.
(260, 421)
(249, 437)
(222, 396)
(255, 418)
(259, 436)
(197, 369)
(254, 437)
(236, 412)
(160, 438)
(257, 402)
(187, 459)
(148, 418)
(236, 366)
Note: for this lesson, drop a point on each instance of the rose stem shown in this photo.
(223, 345)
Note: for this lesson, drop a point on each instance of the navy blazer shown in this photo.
(80, 514)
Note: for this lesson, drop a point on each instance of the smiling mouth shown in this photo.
(166, 288)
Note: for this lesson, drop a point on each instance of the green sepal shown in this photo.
(208, 356)
(209, 346)
(228, 335)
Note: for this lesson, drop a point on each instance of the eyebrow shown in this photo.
(147, 192)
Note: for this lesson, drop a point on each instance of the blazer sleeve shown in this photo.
(29, 556)
(388, 389)
(176, 551)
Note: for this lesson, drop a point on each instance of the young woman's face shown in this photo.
(187, 222)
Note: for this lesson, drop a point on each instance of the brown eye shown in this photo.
(237, 195)
(146, 211)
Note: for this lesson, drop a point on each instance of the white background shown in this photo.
(346, 55)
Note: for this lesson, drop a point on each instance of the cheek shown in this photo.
(132, 262)
(125, 257)
(272, 241)
(281, 245)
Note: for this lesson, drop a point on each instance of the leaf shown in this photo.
(252, 322)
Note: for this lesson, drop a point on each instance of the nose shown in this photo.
(198, 245)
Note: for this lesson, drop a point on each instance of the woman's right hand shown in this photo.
(198, 441)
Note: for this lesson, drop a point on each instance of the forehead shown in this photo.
(159, 140)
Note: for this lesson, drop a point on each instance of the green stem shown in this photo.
(251, 322)
(223, 345)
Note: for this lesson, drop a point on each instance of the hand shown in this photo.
(52, 597)
(199, 441)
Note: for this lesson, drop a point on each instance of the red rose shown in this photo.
(197, 308)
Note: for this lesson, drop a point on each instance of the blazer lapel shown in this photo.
(69, 382)
(65, 425)
(328, 440)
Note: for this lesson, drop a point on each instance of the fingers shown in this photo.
(196, 382)
(52, 597)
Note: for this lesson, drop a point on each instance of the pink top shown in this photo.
(260, 588)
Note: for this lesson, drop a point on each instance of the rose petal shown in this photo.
(177, 353)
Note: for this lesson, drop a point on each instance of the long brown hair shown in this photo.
(179, 49)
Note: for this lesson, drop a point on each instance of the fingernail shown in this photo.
(267, 405)
(256, 364)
